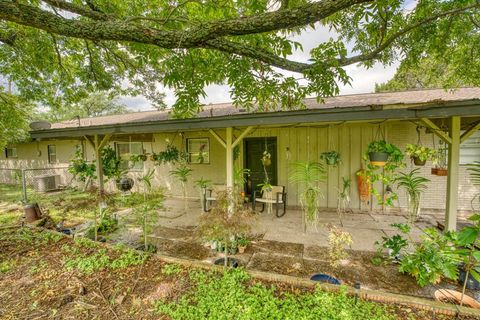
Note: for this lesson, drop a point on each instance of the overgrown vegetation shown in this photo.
(229, 296)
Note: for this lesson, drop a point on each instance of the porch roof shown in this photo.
(433, 103)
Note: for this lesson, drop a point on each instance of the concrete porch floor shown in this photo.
(365, 228)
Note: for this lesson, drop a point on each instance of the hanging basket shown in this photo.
(124, 184)
(418, 162)
(378, 159)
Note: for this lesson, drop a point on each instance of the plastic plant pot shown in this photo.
(378, 159)
(418, 162)
(325, 278)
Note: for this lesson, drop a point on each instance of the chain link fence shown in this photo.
(34, 180)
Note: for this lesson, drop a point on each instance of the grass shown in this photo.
(69, 205)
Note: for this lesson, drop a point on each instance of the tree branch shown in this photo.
(77, 9)
(389, 41)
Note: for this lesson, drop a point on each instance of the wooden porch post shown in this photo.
(452, 178)
(229, 157)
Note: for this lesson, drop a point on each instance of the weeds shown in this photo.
(171, 269)
(7, 265)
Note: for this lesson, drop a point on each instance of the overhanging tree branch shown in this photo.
(77, 9)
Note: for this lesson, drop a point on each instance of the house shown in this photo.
(232, 137)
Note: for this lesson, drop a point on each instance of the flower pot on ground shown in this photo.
(242, 244)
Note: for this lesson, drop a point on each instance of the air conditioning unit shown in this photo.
(45, 183)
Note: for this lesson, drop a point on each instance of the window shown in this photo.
(10, 152)
(52, 153)
(470, 149)
(125, 150)
(198, 150)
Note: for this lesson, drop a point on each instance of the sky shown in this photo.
(363, 80)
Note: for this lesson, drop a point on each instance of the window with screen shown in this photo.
(125, 150)
(470, 149)
(10, 152)
(198, 150)
(52, 153)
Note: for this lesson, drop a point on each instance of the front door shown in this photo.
(253, 152)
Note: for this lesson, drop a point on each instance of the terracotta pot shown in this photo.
(434, 171)
(452, 296)
(378, 159)
(241, 249)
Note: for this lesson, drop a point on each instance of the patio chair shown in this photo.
(211, 195)
(276, 196)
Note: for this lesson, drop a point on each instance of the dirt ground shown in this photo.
(38, 286)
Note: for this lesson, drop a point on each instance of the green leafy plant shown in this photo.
(396, 243)
(170, 155)
(111, 163)
(474, 171)
(337, 241)
(307, 175)
(181, 174)
(387, 174)
(414, 185)
(231, 295)
(469, 253)
(146, 214)
(343, 201)
(171, 269)
(106, 225)
(331, 158)
(135, 158)
(81, 169)
(421, 152)
(433, 259)
(226, 221)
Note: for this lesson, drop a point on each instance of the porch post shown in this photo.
(452, 178)
(229, 157)
(98, 160)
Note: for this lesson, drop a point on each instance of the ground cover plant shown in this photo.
(47, 275)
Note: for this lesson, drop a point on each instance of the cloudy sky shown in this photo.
(363, 80)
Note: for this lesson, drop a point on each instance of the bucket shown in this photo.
(32, 212)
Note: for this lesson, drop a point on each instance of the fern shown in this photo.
(474, 170)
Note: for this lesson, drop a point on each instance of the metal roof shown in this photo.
(390, 105)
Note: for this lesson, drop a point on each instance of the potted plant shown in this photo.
(203, 184)
(380, 152)
(440, 163)
(331, 158)
(420, 154)
(242, 244)
(307, 175)
(414, 185)
(182, 173)
(225, 222)
(266, 158)
(170, 154)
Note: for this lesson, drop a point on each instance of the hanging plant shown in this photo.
(420, 154)
(138, 157)
(331, 158)
(266, 158)
(381, 152)
(170, 154)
